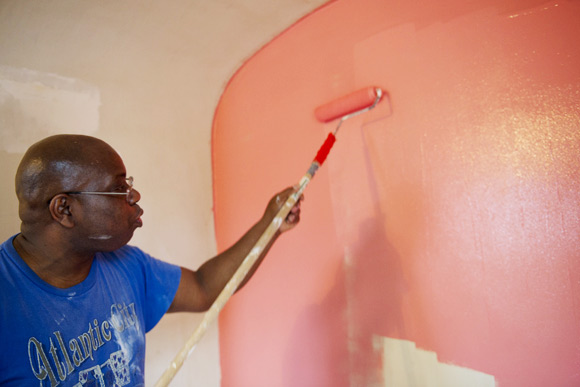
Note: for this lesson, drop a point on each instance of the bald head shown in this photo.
(54, 165)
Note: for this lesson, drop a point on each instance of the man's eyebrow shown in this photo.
(116, 179)
(120, 175)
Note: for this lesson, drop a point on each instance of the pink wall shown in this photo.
(448, 216)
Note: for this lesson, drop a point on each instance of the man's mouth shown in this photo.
(138, 219)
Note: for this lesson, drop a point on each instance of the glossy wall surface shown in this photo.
(448, 216)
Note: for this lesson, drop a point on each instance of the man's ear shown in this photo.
(60, 210)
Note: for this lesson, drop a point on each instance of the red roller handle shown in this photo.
(325, 149)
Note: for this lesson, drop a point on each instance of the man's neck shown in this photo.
(58, 267)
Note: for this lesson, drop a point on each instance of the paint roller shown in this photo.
(344, 108)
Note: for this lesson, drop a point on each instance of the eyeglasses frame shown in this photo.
(129, 190)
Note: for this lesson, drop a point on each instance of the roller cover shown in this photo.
(348, 104)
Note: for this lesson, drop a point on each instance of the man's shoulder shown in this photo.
(6, 246)
(9, 258)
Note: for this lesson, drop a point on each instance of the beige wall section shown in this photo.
(146, 77)
(405, 365)
(35, 104)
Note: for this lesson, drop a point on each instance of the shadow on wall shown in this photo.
(370, 276)
(375, 292)
(370, 286)
(376, 284)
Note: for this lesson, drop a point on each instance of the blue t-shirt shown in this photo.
(91, 334)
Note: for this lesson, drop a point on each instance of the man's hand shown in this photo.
(276, 204)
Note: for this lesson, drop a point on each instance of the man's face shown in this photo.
(107, 222)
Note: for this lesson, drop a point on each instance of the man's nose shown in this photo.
(133, 197)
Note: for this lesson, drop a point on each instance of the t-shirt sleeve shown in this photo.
(157, 283)
(161, 283)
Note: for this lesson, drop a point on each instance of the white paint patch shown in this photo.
(277, 221)
(100, 237)
(256, 250)
(34, 105)
(404, 365)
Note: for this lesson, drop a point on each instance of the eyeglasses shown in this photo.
(127, 193)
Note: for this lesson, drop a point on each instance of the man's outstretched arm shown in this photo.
(198, 289)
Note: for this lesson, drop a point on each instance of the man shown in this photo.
(75, 300)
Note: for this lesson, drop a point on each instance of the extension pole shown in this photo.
(346, 107)
(248, 262)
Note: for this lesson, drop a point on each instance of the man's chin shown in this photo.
(113, 244)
